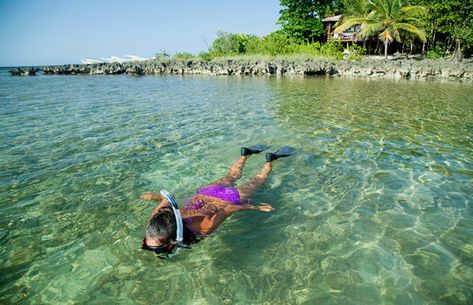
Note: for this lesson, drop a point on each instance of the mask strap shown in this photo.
(177, 214)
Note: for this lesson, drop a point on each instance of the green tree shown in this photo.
(389, 20)
(230, 43)
(449, 24)
(275, 43)
(353, 7)
(301, 19)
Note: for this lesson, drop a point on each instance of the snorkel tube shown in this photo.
(177, 214)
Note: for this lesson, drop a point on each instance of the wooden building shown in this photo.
(350, 35)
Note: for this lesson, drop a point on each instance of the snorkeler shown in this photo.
(171, 227)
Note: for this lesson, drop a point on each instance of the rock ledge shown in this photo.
(368, 67)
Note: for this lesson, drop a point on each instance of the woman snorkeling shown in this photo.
(171, 227)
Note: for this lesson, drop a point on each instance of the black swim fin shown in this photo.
(284, 151)
(255, 149)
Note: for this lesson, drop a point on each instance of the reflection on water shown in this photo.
(375, 209)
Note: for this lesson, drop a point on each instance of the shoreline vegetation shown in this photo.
(400, 67)
(419, 39)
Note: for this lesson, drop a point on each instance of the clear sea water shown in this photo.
(376, 209)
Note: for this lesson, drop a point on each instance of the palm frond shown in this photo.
(396, 35)
(411, 29)
(370, 5)
(369, 29)
(364, 6)
(379, 6)
(348, 23)
(413, 10)
(412, 20)
(394, 8)
(384, 8)
(372, 15)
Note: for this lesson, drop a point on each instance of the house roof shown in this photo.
(333, 18)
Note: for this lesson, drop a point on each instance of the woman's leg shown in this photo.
(247, 189)
(233, 174)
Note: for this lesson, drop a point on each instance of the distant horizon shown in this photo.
(54, 32)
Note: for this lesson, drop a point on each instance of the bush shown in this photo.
(437, 52)
(332, 50)
(205, 56)
(276, 43)
(227, 44)
(356, 52)
(183, 55)
(306, 48)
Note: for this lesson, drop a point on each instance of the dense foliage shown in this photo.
(276, 43)
(301, 20)
(436, 28)
(449, 26)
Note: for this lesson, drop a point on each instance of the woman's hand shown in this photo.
(151, 196)
(265, 207)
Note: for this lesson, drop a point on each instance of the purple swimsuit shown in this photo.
(226, 193)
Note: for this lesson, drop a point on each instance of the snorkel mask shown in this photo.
(172, 247)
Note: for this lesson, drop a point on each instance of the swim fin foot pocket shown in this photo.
(255, 149)
(284, 151)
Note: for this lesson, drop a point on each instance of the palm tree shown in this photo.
(388, 19)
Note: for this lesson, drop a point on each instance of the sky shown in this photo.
(48, 32)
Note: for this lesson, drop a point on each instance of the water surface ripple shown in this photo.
(376, 209)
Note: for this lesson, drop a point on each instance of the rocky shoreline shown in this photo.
(400, 68)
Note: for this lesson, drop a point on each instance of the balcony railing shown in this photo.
(344, 36)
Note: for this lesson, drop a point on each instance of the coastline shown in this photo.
(397, 68)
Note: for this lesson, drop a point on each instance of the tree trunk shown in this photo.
(457, 54)
(376, 50)
(448, 43)
(385, 50)
(433, 33)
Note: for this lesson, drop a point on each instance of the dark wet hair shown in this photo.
(163, 224)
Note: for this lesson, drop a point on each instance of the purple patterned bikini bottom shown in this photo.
(226, 193)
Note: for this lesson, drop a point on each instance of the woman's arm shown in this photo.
(163, 203)
(151, 196)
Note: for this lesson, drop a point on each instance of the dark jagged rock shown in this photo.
(399, 68)
(23, 71)
(135, 70)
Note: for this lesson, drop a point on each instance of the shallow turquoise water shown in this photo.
(376, 208)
